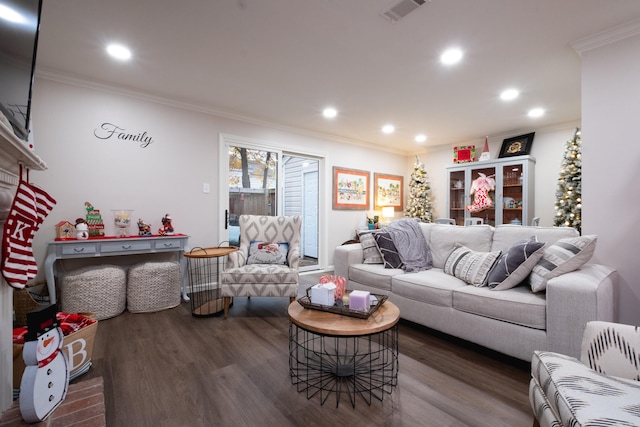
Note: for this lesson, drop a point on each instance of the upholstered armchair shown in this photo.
(600, 389)
(266, 264)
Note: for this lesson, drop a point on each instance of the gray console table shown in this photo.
(95, 248)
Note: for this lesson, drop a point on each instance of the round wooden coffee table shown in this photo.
(333, 353)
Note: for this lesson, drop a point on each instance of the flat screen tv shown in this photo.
(19, 26)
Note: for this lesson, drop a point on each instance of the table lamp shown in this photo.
(388, 213)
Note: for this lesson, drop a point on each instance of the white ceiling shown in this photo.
(281, 62)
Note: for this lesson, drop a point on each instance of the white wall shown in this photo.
(611, 155)
(166, 176)
(548, 149)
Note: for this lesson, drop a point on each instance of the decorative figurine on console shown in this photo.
(82, 229)
(94, 220)
(64, 230)
(45, 380)
(144, 228)
(166, 228)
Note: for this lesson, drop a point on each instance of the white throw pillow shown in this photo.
(370, 249)
(471, 266)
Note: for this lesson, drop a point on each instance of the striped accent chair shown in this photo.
(251, 273)
(600, 389)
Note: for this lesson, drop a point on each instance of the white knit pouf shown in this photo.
(153, 286)
(100, 289)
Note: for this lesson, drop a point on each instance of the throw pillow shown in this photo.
(268, 253)
(471, 266)
(372, 254)
(388, 250)
(563, 256)
(514, 265)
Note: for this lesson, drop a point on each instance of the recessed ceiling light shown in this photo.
(11, 15)
(420, 138)
(536, 112)
(388, 129)
(509, 94)
(451, 56)
(329, 112)
(119, 51)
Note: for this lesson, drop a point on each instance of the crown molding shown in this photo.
(606, 37)
(105, 87)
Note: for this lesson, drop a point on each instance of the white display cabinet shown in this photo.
(513, 197)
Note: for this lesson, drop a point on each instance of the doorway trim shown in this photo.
(226, 140)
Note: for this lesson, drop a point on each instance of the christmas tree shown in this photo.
(419, 204)
(569, 192)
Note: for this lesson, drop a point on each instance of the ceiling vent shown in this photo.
(401, 8)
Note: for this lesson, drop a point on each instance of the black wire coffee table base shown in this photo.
(364, 365)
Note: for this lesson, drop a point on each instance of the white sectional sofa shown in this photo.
(515, 321)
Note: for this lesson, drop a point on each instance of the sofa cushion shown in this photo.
(388, 250)
(562, 257)
(515, 264)
(518, 305)
(580, 396)
(471, 266)
(374, 275)
(506, 235)
(445, 238)
(432, 286)
(370, 249)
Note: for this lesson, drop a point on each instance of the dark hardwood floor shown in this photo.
(171, 369)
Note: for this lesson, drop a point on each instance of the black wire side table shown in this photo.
(204, 285)
(335, 354)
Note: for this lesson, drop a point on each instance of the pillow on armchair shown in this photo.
(268, 253)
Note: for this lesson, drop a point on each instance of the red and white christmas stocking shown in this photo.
(30, 207)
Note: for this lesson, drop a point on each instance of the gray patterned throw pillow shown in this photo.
(515, 264)
(388, 250)
(563, 256)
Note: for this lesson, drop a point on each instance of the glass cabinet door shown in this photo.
(457, 196)
(488, 215)
(512, 194)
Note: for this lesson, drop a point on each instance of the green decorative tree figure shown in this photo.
(569, 192)
(419, 204)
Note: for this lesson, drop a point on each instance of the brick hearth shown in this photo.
(83, 406)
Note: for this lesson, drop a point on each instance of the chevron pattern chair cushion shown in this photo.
(601, 389)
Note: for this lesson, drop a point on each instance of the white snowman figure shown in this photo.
(46, 377)
(82, 229)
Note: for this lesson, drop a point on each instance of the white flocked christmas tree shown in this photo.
(419, 204)
(569, 192)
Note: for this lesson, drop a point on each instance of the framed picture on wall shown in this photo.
(517, 146)
(350, 188)
(464, 154)
(388, 191)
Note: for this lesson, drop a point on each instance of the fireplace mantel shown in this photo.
(13, 153)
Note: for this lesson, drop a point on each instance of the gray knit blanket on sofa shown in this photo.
(411, 245)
